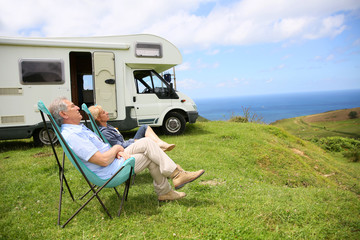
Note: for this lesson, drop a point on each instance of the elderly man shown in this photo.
(105, 160)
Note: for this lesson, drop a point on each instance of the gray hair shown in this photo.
(56, 107)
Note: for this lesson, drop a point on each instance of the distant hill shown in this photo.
(327, 124)
(338, 115)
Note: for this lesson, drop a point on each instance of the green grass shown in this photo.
(260, 183)
(300, 128)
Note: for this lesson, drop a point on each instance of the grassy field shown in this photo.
(328, 124)
(260, 183)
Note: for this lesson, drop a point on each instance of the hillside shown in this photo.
(328, 124)
(260, 183)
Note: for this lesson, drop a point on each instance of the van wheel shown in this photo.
(174, 124)
(41, 137)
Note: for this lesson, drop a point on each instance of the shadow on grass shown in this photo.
(10, 145)
(147, 204)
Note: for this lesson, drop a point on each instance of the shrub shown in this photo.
(248, 116)
(337, 144)
(348, 146)
(353, 155)
(352, 114)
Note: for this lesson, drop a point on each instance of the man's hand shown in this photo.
(120, 148)
(104, 159)
(123, 155)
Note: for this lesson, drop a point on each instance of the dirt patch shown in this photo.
(299, 152)
(338, 115)
(213, 182)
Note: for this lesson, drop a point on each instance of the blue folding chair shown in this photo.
(122, 175)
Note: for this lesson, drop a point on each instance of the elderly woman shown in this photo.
(114, 136)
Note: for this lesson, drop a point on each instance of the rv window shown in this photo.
(41, 71)
(148, 50)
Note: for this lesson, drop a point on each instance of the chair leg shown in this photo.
(87, 192)
(128, 184)
(123, 198)
(126, 192)
(117, 193)
(94, 195)
(61, 188)
(61, 168)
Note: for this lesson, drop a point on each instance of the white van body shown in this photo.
(123, 74)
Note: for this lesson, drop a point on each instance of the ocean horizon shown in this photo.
(278, 106)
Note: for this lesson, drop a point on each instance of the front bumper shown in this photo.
(193, 115)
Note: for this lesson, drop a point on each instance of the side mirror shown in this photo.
(167, 77)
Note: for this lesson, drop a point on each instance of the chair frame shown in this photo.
(70, 154)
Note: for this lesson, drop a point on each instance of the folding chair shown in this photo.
(93, 123)
(122, 175)
(96, 129)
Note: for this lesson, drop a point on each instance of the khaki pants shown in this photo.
(149, 155)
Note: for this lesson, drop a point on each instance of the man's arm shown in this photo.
(104, 159)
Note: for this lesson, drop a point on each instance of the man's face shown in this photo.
(72, 114)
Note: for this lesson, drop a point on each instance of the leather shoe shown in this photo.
(181, 177)
(171, 195)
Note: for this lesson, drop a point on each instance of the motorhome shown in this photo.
(129, 76)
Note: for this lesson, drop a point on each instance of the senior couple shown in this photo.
(105, 160)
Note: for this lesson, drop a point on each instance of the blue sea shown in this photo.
(278, 106)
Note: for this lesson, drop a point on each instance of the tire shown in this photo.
(174, 124)
(41, 137)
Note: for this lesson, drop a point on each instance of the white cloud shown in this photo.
(213, 52)
(269, 80)
(286, 57)
(235, 82)
(356, 42)
(183, 67)
(330, 57)
(188, 83)
(200, 64)
(235, 23)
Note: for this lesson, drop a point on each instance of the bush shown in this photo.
(337, 144)
(348, 146)
(238, 119)
(248, 116)
(352, 115)
(353, 155)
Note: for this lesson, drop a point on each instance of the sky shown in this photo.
(229, 47)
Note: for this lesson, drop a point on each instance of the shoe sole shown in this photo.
(167, 200)
(169, 148)
(180, 186)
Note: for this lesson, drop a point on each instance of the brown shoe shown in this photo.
(172, 195)
(166, 146)
(181, 177)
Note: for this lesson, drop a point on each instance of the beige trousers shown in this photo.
(149, 155)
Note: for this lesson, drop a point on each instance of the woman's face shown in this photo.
(103, 116)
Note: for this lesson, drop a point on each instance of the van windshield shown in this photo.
(150, 82)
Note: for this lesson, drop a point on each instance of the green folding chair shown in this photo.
(122, 175)
(96, 129)
(93, 123)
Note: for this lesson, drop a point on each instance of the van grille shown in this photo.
(12, 119)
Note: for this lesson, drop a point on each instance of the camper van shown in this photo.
(129, 76)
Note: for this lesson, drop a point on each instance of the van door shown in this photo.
(105, 82)
(151, 98)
